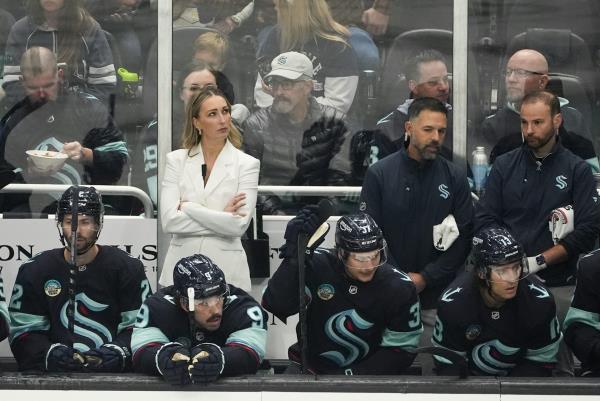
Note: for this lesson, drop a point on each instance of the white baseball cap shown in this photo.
(291, 65)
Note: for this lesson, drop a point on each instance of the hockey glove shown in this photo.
(107, 358)
(306, 221)
(208, 362)
(62, 358)
(172, 361)
(320, 143)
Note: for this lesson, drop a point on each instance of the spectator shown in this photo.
(501, 319)
(297, 139)
(307, 27)
(426, 76)
(50, 118)
(354, 297)
(209, 190)
(527, 71)
(117, 17)
(200, 328)
(65, 27)
(582, 323)
(527, 184)
(77, 318)
(415, 196)
(212, 48)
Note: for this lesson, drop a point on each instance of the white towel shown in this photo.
(561, 222)
(445, 233)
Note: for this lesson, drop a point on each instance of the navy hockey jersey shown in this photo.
(242, 334)
(519, 338)
(368, 328)
(582, 323)
(4, 319)
(108, 293)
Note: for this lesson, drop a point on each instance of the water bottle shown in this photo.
(480, 169)
(130, 83)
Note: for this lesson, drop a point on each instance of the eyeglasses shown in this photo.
(198, 88)
(520, 72)
(365, 257)
(285, 84)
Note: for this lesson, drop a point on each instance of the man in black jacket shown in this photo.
(412, 194)
(49, 119)
(527, 184)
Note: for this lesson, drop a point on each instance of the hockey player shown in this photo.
(503, 322)
(582, 323)
(363, 314)
(4, 319)
(77, 318)
(200, 328)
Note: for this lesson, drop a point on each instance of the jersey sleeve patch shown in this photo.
(252, 337)
(147, 335)
(21, 323)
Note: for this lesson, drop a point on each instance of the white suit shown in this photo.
(200, 225)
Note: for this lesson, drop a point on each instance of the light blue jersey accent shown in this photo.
(21, 323)
(409, 339)
(545, 354)
(253, 337)
(127, 320)
(337, 332)
(582, 316)
(483, 359)
(142, 336)
(118, 146)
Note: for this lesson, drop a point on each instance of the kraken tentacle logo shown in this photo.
(84, 326)
(339, 330)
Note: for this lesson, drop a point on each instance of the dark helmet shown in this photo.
(89, 203)
(201, 274)
(358, 233)
(495, 246)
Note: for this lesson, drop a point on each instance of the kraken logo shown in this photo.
(337, 330)
(561, 182)
(84, 326)
(444, 193)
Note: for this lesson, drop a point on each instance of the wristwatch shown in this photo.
(540, 259)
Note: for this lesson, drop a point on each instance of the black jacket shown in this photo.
(521, 195)
(407, 199)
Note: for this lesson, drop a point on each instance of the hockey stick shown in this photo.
(73, 267)
(457, 359)
(325, 210)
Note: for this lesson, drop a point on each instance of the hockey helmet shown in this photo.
(200, 274)
(358, 233)
(89, 203)
(496, 246)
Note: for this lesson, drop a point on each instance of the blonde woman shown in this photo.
(306, 26)
(209, 190)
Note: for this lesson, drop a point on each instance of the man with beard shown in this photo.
(200, 328)
(527, 184)
(526, 72)
(415, 196)
(50, 119)
(426, 76)
(298, 140)
(77, 318)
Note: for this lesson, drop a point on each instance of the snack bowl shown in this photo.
(46, 160)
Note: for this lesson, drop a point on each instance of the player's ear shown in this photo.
(481, 274)
(183, 304)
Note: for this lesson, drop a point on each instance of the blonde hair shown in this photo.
(191, 136)
(215, 43)
(303, 20)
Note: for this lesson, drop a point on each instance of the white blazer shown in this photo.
(201, 225)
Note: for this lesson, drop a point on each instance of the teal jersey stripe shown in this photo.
(24, 323)
(593, 163)
(544, 354)
(119, 146)
(409, 339)
(253, 337)
(127, 320)
(442, 359)
(147, 335)
(582, 316)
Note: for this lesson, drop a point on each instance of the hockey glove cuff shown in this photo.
(107, 358)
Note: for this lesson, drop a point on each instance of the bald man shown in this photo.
(526, 72)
